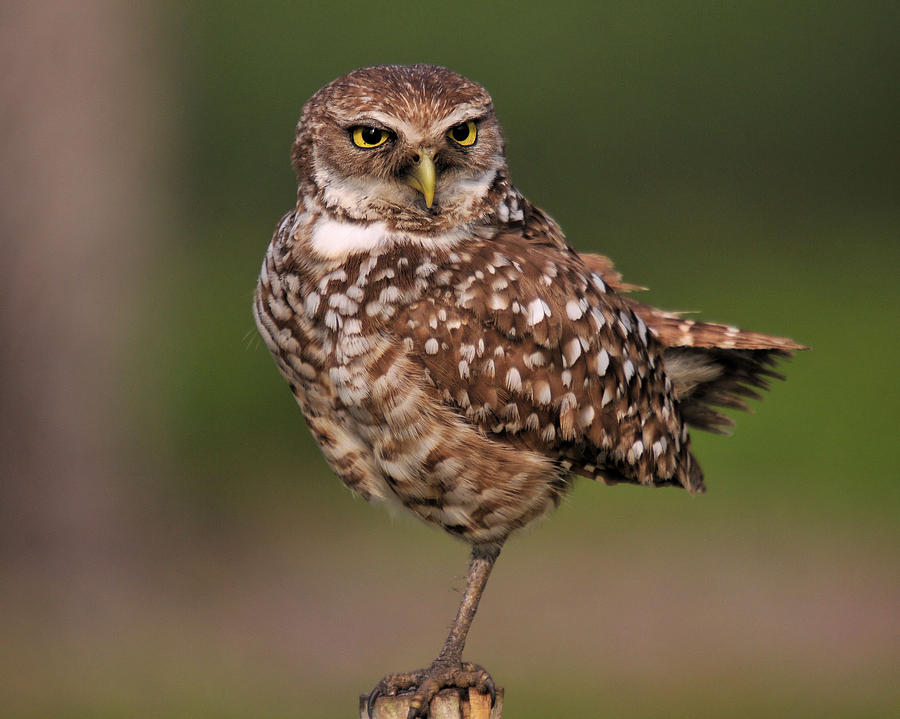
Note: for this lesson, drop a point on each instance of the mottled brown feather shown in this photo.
(464, 360)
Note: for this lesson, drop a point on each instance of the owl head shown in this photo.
(415, 146)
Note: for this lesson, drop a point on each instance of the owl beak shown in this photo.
(422, 176)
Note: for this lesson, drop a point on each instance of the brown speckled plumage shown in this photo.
(463, 359)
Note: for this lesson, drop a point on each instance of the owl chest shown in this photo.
(333, 368)
(342, 324)
(333, 364)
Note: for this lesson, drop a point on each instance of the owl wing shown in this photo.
(710, 365)
(529, 344)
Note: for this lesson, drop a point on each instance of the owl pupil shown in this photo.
(370, 135)
(460, 132)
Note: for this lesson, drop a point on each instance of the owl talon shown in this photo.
(486, 685)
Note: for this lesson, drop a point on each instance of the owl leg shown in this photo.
(448, 669)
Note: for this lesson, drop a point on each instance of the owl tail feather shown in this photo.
(711, 365)
(715, 366)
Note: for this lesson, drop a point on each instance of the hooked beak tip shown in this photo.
(423, 177)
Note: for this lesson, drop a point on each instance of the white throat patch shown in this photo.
(336, 239)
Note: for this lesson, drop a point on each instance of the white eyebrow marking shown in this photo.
(391, 122)
(463, 113)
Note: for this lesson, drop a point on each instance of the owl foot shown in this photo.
(428, 682)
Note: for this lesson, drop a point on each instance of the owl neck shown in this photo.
(327, 234)
(467, 203)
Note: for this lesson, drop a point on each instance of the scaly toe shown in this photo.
(392, 684)
(426, 683)
(442, 676)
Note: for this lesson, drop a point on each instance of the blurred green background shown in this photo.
(172, 542)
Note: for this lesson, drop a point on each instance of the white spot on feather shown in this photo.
(602, 362)
(572, 351)
(658, 448)
(542, 393)
(637, 449)
(343, 304)
(425, 269)
(586, 416)
(332, 320)
(498, 302)
(389, 294)
(607, 397)
(573, 310)
(537, 310)
(642, 330)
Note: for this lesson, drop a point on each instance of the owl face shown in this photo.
(404, 144)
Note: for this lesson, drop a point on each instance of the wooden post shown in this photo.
(448, 704)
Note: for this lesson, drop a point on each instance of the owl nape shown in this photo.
(453, 353)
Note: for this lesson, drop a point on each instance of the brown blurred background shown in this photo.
(171, 543)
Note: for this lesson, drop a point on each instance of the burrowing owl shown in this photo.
(452, 352)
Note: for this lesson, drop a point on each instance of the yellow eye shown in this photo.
(464, 133)
(368, 137)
